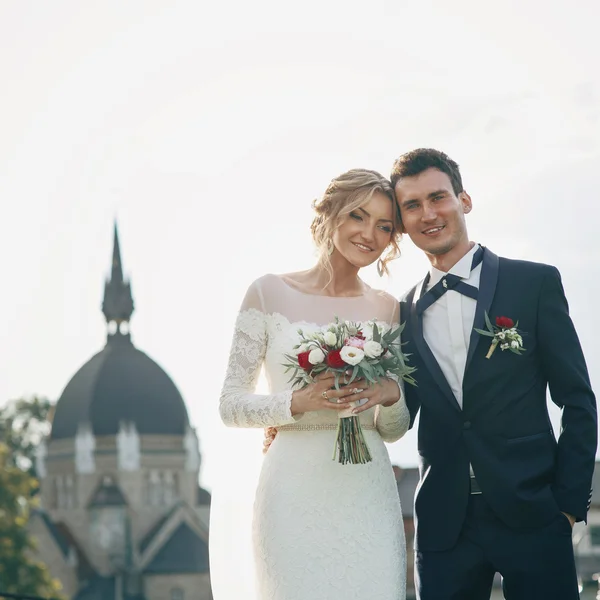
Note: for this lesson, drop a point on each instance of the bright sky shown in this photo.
(208, 128)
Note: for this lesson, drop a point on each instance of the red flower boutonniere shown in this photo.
(504, 333)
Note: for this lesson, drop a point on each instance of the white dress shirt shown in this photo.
(448, 322)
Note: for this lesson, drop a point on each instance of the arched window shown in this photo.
(169, 487)
(162, 487)
(65, 492)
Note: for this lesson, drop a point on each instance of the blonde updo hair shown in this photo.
(344, 194)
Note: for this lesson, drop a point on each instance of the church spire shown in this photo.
(118, 301)
(117, 267)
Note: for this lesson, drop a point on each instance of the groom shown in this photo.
(498, 492)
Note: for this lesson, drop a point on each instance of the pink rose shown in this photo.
(355, 342)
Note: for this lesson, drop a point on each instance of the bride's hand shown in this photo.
(319, 395)
(386, 392)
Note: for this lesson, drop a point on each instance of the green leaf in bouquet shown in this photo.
(368, 372)
(376, 333)
(388, 365)
(392, 334)
(400, 358)
(370, 378)
(409, 379)
(342, 377)
(300, 381)
(380, 370)
(395, 355)
(354, 375)
(362, 368)
(338, 374)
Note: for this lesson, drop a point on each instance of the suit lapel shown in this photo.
(431, 363)
(487, 289)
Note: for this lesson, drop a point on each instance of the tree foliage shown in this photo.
(20, 572)
(22, 424)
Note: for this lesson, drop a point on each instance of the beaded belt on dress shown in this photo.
(317, 427)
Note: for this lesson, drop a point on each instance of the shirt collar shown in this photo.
(462, 268)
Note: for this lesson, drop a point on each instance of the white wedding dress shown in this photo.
(321, 530)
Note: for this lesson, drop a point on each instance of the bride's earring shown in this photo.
(330, 247)
(380, 268)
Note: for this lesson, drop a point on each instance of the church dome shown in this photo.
(120, 383)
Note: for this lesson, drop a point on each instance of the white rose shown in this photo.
(367, 330)
(373, 349)
(351, 355)
(300, 349)
(330, 338)
(316, 356)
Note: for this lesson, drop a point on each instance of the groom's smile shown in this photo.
(434, 230)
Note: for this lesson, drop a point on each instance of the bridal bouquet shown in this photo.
(351, 351)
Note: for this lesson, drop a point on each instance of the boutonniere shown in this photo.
(504, 333)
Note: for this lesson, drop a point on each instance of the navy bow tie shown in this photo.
(449, 282)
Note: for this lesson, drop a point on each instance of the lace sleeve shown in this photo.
(393, 422)
(239, 406)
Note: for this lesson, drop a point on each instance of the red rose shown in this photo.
(303, 361)
(505, 322)
(335, 360)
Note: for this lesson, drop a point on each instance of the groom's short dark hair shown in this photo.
(419, 160)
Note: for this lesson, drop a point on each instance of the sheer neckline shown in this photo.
(297, 291)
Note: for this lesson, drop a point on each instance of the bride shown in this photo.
(322, 530)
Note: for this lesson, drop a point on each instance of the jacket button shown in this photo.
(467, 425)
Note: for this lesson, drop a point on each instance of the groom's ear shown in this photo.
(466, 202)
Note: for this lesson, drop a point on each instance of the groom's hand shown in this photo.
(386, 392)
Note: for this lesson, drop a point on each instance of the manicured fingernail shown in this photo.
(354, 411)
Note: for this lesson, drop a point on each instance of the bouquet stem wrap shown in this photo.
(350, 444)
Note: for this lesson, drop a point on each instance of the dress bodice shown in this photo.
(267, 328)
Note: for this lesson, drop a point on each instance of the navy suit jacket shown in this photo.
(503, 429)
